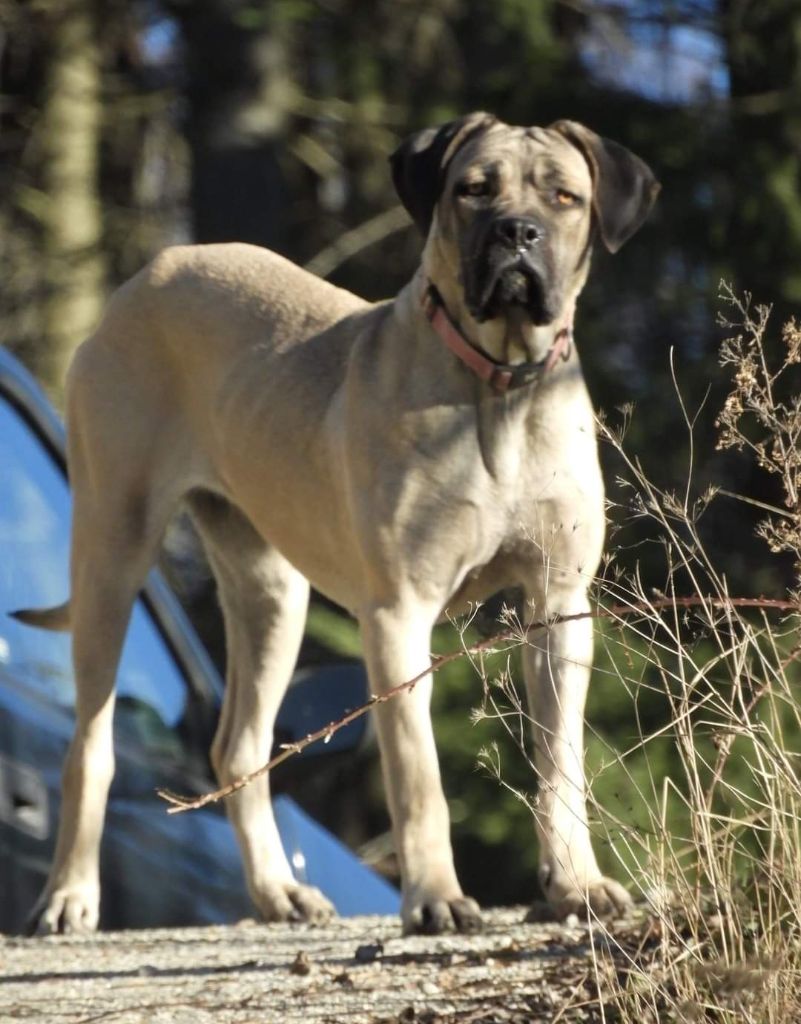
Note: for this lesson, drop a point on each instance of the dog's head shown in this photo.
(510, 213)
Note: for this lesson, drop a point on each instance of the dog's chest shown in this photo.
(543, 501)
(541, 456)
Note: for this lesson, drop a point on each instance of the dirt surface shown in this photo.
(359, 970)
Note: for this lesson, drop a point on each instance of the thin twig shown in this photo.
(180, 803)
(773, 509)
(354, 241)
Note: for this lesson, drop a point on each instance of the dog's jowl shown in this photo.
(404, 458)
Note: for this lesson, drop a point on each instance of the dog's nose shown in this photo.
(517, 232)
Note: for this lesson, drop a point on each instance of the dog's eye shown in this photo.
(474, 189)
(565, 198)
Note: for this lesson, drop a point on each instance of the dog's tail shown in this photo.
(56, 619)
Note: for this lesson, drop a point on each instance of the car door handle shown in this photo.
(24, 803)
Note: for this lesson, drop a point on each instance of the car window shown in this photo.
(35, 508)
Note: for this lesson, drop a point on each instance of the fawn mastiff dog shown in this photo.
(406, 458)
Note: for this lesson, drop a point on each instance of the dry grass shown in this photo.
(717, 862)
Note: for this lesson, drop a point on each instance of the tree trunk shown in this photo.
(74, 265)
(238, 91)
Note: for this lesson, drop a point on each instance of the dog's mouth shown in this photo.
(513, 283)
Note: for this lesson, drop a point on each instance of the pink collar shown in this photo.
(501, 377)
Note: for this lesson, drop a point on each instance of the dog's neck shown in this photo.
(501, 375)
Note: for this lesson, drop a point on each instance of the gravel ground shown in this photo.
(358, 970)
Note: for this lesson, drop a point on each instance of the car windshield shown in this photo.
(35, 507)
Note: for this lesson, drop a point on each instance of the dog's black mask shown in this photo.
(500, 275)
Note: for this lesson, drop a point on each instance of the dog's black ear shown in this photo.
(420, 162)
(624, 187)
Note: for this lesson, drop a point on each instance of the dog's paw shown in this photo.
(608, 898)
(603, 897)
(434, 916)
(290, 901)
(67, 910)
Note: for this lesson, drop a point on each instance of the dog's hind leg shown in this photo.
(114, 538)
(264, 601)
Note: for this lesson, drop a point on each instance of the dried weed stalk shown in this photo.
(762, 414)
(717, 862)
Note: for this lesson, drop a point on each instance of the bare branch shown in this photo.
(180, 803)
(362, 237)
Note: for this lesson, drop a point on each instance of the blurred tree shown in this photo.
(71, 211)
(237, 89)
(22, 70)
(90, 170)
(143, 169)
(763, 40)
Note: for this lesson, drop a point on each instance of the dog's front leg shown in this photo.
(557, 667)
(397, 645)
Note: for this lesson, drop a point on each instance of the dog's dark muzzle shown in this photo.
(511, 271)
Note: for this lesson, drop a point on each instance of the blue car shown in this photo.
(156, 869)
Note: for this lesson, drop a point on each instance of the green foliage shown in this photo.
(334, 631)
